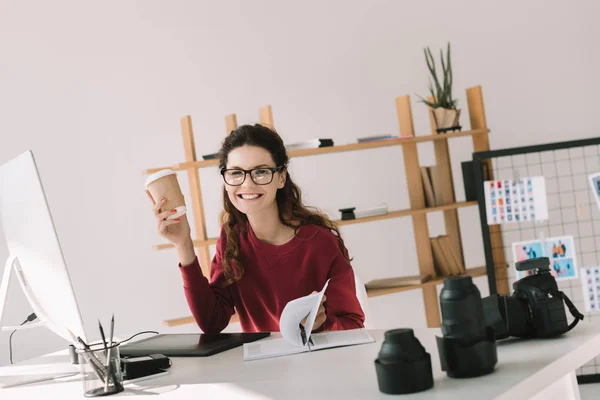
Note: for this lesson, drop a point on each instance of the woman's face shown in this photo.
(250, 197)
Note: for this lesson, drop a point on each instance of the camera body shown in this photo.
(535, 309)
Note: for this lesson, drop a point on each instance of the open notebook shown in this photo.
(298, 339)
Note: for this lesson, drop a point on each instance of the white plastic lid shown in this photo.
(158, 175)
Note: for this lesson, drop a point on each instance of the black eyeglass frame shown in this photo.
(249, 171)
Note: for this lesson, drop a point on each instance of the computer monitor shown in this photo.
(34, 250)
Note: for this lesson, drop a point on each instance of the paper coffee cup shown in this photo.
(164, 184)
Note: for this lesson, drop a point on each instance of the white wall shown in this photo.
(97, 90)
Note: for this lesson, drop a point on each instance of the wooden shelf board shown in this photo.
(393, 214)
(338, 149)
(191, 320)
(404, 213)
(197, 243)
(474, 272)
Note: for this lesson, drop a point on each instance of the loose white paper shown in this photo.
(513, 201)
(590, 286)
(595, 184)
(295, 311)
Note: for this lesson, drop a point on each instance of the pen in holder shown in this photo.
(100, 369)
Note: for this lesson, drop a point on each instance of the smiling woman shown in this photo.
(272, 248)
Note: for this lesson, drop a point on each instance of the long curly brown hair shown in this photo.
(292, 212)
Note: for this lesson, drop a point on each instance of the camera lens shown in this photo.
(403, 366)
(468, 347)
(462, 309)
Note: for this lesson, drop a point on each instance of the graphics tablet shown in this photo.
(189, 344)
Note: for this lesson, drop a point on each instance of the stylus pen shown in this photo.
(108, 363)
(90, 357)
(103, 338)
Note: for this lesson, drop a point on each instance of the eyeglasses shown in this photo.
(260, 176)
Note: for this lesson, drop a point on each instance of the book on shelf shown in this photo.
(297, 338)
(210, 156)
(427, 188)
(445, 259)
(376, 137)
(432, 186)
(352, 213)
(309, 144)
(457, 265)
(387, 283)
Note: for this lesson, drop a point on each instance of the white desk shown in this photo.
(540, 369)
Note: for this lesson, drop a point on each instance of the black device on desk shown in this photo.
(137, 367)
(189, 344)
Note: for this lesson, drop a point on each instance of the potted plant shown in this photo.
(443, 106)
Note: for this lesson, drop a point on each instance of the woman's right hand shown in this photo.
(176, 231)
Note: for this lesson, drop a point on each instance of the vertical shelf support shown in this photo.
(230, 123)
(417, 201)
(482, 143)
(444, 168)
(265, 114)
(196, 193)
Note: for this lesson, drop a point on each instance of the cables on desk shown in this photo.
(31, 317)
(139, 333)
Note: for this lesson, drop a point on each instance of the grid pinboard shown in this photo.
(572, 211)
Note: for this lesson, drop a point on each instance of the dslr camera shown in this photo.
(536, 309)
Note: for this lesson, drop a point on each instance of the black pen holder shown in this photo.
(468, 359)
(100, 370)
(403, 366)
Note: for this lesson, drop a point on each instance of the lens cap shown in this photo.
(403, 366)
(458, 282)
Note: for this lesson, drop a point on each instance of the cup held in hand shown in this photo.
(164, 184)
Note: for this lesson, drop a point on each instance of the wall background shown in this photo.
(96, 91)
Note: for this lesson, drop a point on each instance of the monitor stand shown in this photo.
(13, 264)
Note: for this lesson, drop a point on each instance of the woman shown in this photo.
(272, 249)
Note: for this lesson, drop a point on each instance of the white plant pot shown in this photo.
(446, 118)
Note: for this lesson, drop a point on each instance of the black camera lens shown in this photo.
(462, 310)
(468, 348)
(403, 366)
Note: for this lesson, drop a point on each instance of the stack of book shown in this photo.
(446, 260)
(374, 138)
(309, 144)
(431, 186)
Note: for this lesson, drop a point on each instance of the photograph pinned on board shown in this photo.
(559, 247)
(516, 200)
(595, 183)
(560, 250)
(590, 286)
(526, 251)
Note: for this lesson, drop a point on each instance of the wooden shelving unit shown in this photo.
(474, 272)
(336, 149)
(408, 142)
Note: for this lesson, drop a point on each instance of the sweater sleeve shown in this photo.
(211, 304)
(341, 305)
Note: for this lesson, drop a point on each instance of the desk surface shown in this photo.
(525, 367)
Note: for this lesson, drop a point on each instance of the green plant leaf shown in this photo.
(431, 65)
(441, 91)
